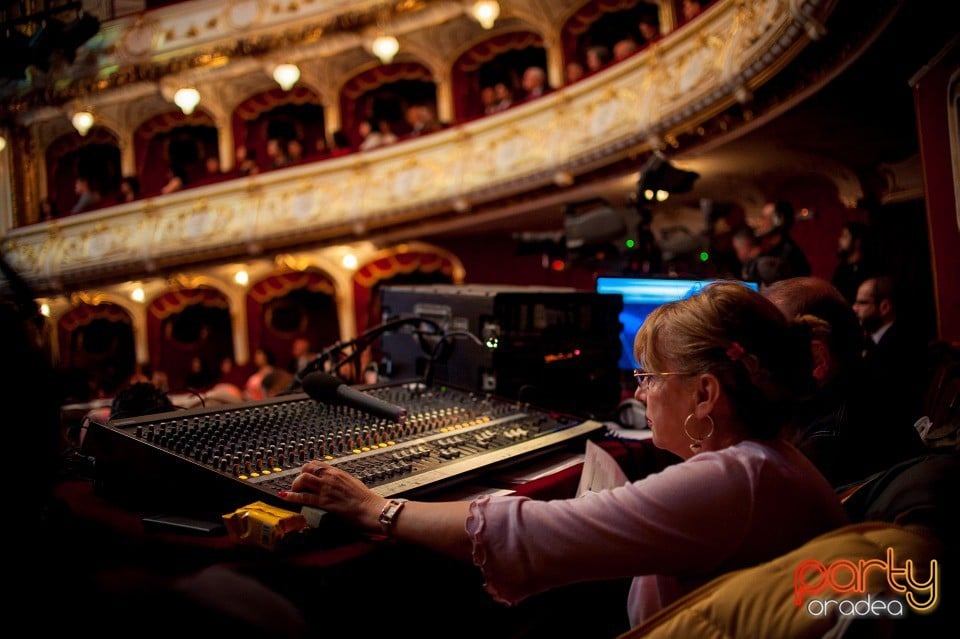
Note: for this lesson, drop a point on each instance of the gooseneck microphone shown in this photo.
(327, 388)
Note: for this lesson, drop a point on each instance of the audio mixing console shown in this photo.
(216, 459)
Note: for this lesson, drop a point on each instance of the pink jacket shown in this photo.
(670, 531)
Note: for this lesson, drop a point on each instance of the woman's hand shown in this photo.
(323, 486)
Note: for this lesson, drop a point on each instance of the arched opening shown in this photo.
(384, 93)
(94, 158)
(282, 116)
(286, 306)
(501, 60)
(601, 24)
(173, 144)
(185, 324)
(98, 349)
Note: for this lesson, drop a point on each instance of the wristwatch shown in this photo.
(389, 514)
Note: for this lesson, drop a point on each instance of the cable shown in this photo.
(435, 351)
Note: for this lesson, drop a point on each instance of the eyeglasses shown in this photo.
(643, 377)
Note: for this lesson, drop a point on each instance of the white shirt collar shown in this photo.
(878, 334)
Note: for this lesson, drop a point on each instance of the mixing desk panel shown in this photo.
(220, 458)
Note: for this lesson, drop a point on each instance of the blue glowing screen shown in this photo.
(642, 295)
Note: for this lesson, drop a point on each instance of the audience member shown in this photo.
(275, 382)
(264, 361)
(198, 376)
(421, 119)
(341, 144)
(88, 195)
(294, 151)
(276, 154)
(504, 95)
(597, 57)
(776, 220)
(747, 248)
(144, 372)
(855, 265)
(624, 48)
(895, 354)
(246, 161)
(691, 9)
(574, 71)
(534, 83)
(649, 27)
(129, 188)
(175, 181)
(488, 99)
(375, 133)
(721, 369)
(48, 210)
(302, 354)
(842, 427)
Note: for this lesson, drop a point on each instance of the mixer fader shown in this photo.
(220, 458)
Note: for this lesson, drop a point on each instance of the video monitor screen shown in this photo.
(640, 296)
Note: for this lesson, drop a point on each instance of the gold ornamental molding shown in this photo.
(671, 87)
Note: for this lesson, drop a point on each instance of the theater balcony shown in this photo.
(348, 219)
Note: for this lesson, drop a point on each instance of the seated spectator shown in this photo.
(175, 181)
(597, 57)
(276, 154)
(198, 376)
(534, 83)
(488, 99)
(143, 372)
(375, 133)
(88, 195)
(320, 147)
(649, 27)
(747, 247)
(211, 170)
(421, 120)
(504, 95)
(574, 71)
(623, 49)
(846, 429)
(341, 144)
(129, 189)
(691, 9)
(294, 151)
(276, 382)
(246, 161)
(48, 210)
(264, 361)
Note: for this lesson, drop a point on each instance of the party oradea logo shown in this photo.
(844, 586)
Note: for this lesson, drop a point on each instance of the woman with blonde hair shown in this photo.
(721, 372)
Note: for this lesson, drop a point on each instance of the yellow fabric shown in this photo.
(758, 601)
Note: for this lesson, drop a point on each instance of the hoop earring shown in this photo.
(697, 441)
